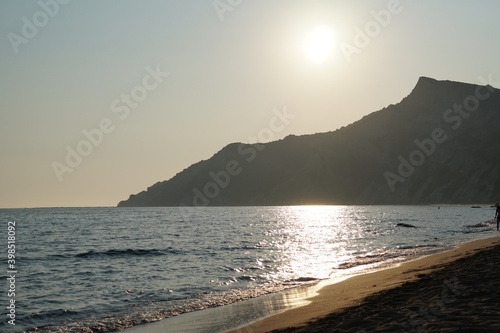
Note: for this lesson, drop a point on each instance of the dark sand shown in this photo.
(453, 291)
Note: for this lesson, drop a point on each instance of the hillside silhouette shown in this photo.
(440, 144)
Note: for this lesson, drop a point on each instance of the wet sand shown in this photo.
(452, 291)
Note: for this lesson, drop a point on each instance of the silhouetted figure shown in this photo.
(497, 215)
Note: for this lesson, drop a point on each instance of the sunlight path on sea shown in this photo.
(312, 234)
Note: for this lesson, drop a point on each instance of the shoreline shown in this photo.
(352, 292)
(299, 306)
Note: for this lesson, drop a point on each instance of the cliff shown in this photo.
(440, 144)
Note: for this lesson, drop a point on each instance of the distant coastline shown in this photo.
(439, 144)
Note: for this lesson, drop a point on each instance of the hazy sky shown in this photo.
(101, 99)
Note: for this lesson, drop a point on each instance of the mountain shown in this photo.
(440, 144)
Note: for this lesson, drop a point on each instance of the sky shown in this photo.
(101, 99)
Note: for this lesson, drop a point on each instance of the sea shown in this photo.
(107, 269)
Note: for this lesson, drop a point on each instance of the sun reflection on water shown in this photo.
(311, 241)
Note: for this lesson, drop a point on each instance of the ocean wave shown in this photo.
(417, 246)
(380, 256)
(127, 252)
(242, 269)
(304, 279)
(146, 312)
(478, 227)
(238, 248)
(52, 314)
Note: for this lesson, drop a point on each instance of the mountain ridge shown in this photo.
(405, 153)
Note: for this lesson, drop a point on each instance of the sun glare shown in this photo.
(319, 43)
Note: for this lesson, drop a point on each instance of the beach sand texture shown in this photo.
(452, 291)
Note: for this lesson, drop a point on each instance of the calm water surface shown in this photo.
(111, 268)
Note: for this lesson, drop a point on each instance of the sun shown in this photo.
(319, 43)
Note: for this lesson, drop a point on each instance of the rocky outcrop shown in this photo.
(440, 144)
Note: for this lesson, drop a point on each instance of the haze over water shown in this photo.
(160, 86)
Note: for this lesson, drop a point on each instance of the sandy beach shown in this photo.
(453, 291)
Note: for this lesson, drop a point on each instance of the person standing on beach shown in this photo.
(497, 215)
